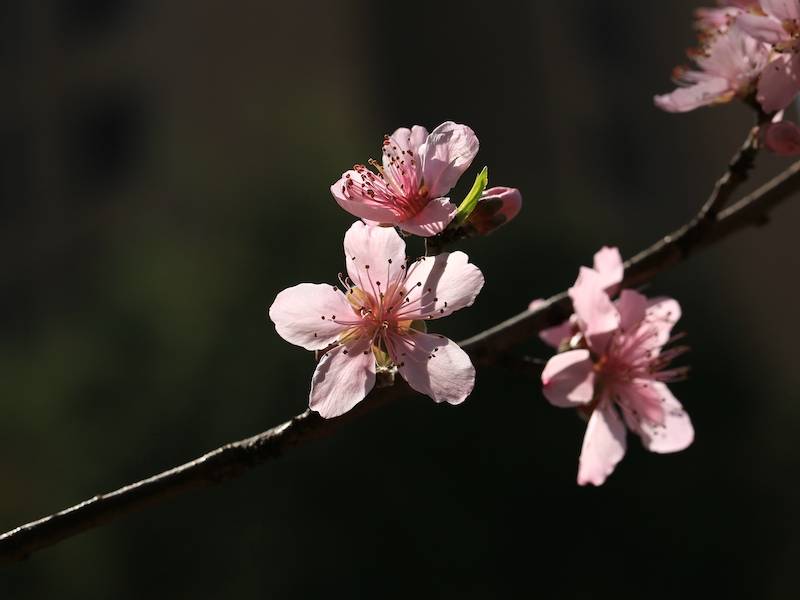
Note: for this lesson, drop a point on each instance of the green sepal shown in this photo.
(469, 203)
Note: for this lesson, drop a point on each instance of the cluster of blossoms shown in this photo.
(749, 49)
(375, 322)
(611, 363)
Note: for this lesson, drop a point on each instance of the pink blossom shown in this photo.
(717, 20)
(615, 373)
(780, 27)
(496, 207)
(728, 66)
(409, 188)
(373, 324)
(609, 267)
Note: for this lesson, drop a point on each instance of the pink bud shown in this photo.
(782, 138)
(496, 207)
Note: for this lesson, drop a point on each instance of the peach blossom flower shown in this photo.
(373, 322)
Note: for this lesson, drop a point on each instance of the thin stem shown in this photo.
(738, 169)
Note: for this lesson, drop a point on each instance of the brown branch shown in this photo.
(738, 169)
(234, 459)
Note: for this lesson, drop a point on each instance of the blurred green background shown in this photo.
(164, 173)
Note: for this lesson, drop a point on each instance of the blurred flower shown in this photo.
(373, 325)
(496, 207)
(729, 66)
(717, 20)
(408, 189)
(782, 138)
(779, 25)
(609, 267)
(615, 373)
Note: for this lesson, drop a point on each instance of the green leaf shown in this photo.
(468, 204)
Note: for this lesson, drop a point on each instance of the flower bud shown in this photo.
(496, 206)
(782, 138)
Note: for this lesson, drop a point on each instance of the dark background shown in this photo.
(164, 173)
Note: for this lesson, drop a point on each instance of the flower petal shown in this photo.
(568, 379)
(305, 315)
(432, 219)
(433, 365)
(410, 139)
(662, 313)
(343, 378)
(447, 153)
(352, 194)
(639, 402)
(603, 445)
(554, 336)
(375, 256)
(597, 315)
(762, 28)
(437, 286)
(783, 10)
(707, 91)
(674, 433)
(608, 262)
(632, 307)
(779, 83)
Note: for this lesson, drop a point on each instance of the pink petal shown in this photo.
(432, 219)
(343, 378)
(375, 256)
(568, 379)
(402, 165)
(554, 336)
(632, 307)
(662, 313)
(603, 445)
(440, 285)
(410, 139)
(783, 10)
(705, 92)
(608, 262)
(762, 28)
(782, 138)
(447, 153)
(675, 433)
(639, 402)
(355, 200)
(434, 365)
(779, 83)
(713, 18)
(597, 315)
(298, 314)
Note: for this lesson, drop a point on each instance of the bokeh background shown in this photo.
(164, 172)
